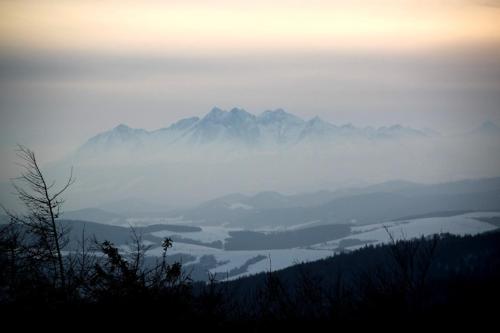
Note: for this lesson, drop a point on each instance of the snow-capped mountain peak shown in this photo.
(278, 115)
(119, 134)
(488, 128)
(122, 128)
(183, 123)
(319, 123)
(271, 128)
(214, 114)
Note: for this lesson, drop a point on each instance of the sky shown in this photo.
(71, 69)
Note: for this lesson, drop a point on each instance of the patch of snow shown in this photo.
(239, 205)
(279, 259)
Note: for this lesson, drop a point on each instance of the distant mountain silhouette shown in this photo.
(487, 128)
(273, 128)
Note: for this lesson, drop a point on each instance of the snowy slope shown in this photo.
(240, 263)
(466, 224)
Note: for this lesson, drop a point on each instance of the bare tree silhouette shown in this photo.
(43, 206)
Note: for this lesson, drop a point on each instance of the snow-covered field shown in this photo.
(360, 235)
(229, 260)
(466, 224)
(274, 259)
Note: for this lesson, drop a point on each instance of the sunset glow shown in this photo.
(187, 26)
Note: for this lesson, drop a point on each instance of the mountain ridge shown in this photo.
(239, 127)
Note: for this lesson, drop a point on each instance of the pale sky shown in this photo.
(70, 69)
(221, 26)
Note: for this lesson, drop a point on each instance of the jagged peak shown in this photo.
(217, 115)
(278, 115)
(216, 109)
(238, 110)
(489, 125)
(241, 113)
(122, 127)
(319, 123)
(214, 113)
(316, 120)
(348, 126)
(184, 123)
(487, 128)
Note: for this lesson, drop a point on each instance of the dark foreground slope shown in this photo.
(447, 278)
(441, 278)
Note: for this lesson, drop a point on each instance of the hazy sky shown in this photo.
(70, 69)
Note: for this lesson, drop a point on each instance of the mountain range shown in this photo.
(372, 204)
(275, 128)
(199, 158)
(363, 205)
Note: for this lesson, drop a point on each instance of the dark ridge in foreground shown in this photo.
(444, 278)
